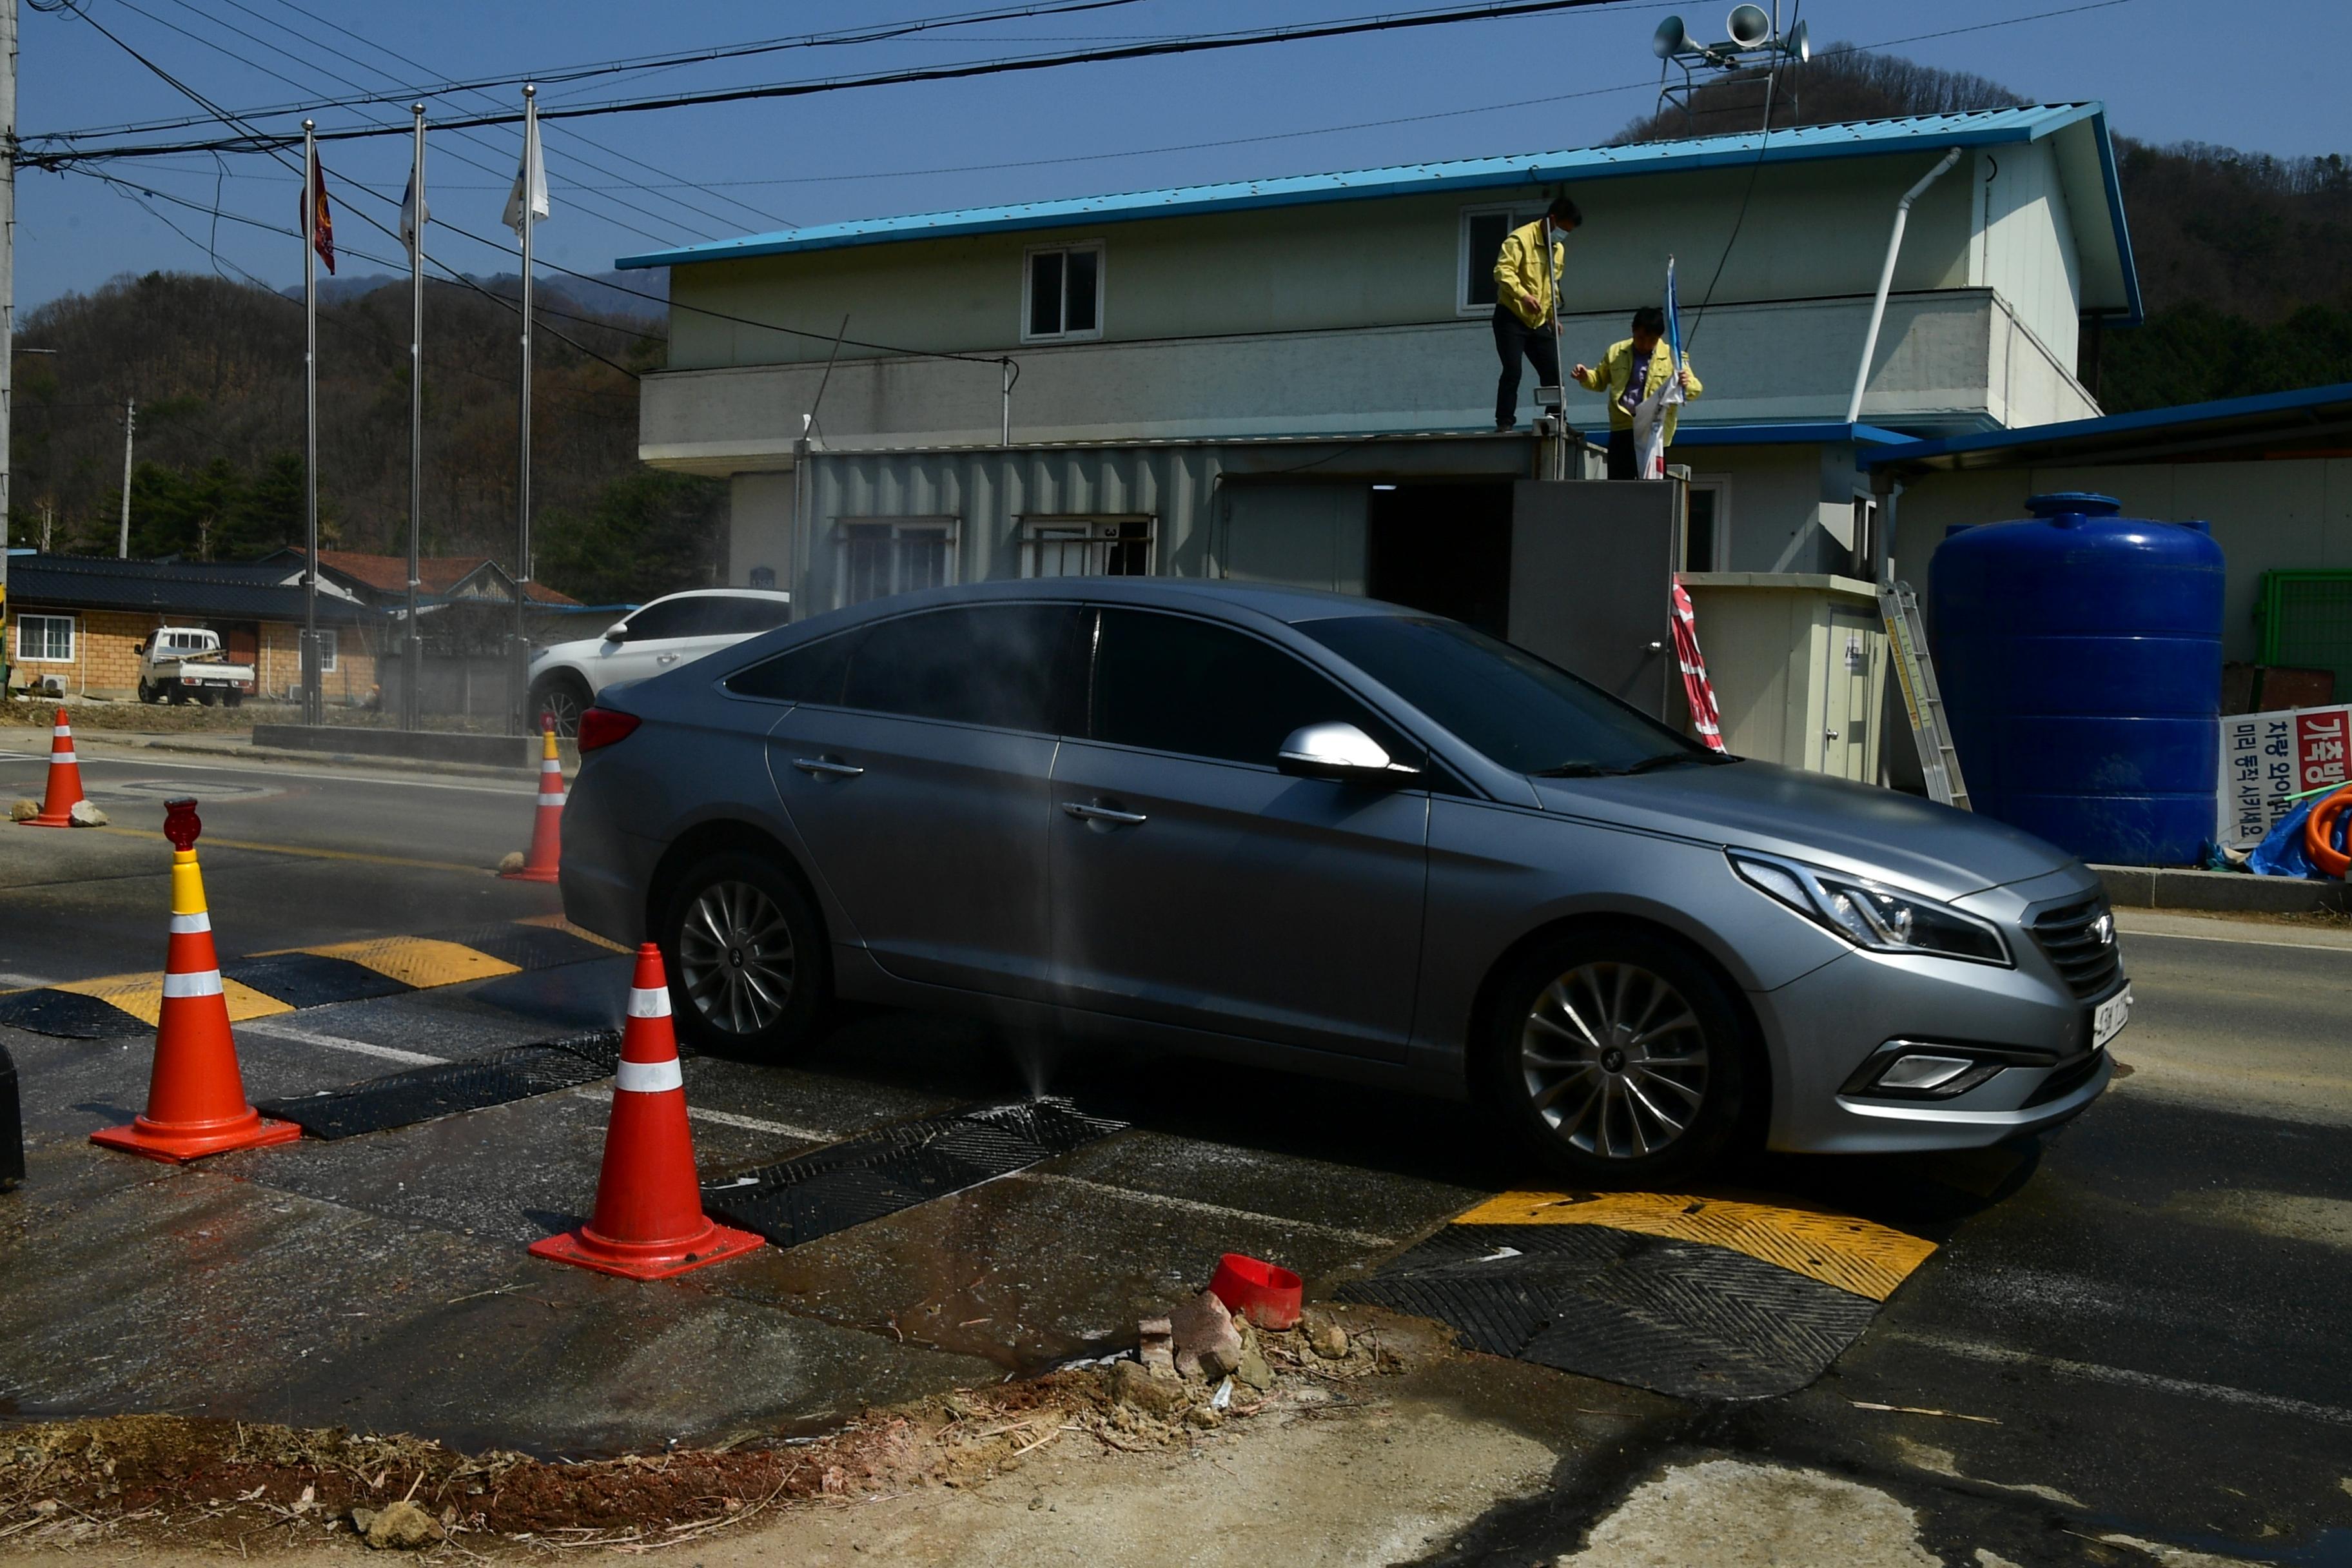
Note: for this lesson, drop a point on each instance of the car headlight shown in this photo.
(1874, 917)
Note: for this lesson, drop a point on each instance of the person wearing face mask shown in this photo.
(1525, 271)
(1632, 371)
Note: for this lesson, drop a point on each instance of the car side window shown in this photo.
(662, 618)
(1007, 666)
(744, 616)
(811, 672)
(1170, 683)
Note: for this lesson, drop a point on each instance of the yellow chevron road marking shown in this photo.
(1854, 1254)
(142, 996)
(421, 962)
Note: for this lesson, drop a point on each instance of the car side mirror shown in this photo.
(1341, 751)
(617, 632)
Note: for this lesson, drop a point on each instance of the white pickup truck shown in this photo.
(186, 663)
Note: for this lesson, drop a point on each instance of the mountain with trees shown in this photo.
(215, 369)
(2245, 260)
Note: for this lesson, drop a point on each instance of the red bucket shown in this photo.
(1251, 1287)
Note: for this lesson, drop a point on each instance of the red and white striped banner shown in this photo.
(1704, 719)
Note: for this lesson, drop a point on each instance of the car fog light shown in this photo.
(1916, 1072)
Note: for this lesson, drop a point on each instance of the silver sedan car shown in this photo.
(1335, 835)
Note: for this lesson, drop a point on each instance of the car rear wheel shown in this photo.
(1618, 1060)
(747, 973)
(563, 696)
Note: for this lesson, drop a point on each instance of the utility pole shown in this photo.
(129, 425)
(8, 283)
(411, 702)
(313, 686)
(519, 679)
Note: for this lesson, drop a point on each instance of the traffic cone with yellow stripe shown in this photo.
(195, 1096)
(65, 780)
(648, 1223)
(547, 830)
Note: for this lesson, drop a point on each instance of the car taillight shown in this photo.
(602, 727)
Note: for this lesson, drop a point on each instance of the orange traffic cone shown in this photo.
(648, 1223)
(65, 779)
(547, 831)
(195, 1097)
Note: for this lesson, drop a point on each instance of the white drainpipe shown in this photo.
(1886, 279)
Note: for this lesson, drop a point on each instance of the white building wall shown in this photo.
(1947, 360)
(2024, 247)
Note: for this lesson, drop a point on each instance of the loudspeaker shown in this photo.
(1749, 26)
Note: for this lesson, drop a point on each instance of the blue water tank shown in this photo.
(2080, 657)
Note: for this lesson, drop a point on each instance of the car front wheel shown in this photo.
(1618, 1060)
(747, 973)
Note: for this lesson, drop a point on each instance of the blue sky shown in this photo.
(2168, 69)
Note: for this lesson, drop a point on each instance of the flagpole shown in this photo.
(412, 705)
(311, 692)
(520, 665)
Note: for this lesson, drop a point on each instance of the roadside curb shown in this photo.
(2163, 888)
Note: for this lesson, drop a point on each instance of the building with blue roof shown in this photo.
(1246, 378)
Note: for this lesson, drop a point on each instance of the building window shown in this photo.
(1064, 294)
(1707, 526)
(326, 650)
(1086, 546)
(45, 639)
(1484, 229)
(881, 556)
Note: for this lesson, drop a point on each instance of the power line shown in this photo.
(1195, 44)
(884, 33)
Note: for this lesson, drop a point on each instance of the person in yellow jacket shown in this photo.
(1614, 379)
(1524, 269)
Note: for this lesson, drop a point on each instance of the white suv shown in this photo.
(675, 629)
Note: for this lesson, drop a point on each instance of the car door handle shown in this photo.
(1103, 814)
(667, 659)
(827, 767)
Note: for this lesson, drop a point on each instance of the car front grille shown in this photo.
(2071, 938)
(2065, 1081)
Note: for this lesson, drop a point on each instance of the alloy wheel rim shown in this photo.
(1615, 1060)
(564, 708)
(735, 955)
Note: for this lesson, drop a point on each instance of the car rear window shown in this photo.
(1513, 708)
(1007, 666)
(809, 673)
(732, 616)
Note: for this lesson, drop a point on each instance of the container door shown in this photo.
(1845, 742)
(1302, 536)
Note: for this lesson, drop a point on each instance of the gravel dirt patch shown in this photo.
(171, 1483)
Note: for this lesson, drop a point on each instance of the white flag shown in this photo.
(414, 214)
(530, 176)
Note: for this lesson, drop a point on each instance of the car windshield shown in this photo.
(1512, 707)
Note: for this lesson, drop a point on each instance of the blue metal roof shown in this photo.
(1868, 138)
(2309, 410)
(1769, 434)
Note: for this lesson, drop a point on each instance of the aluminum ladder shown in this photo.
(1931, 729)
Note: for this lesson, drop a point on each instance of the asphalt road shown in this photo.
(2135, 1326)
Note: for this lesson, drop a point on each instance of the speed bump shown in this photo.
(1699, 1296)
(264, 985)
(1837, 1249)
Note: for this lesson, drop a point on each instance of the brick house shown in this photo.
(82, 619)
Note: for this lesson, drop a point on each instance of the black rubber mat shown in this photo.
(425, 1094)
(306, 980)
(67, 1016)
(1698, 1323)
(866, 1178)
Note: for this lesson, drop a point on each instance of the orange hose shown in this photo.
(2319, 834)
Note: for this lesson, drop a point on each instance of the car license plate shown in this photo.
(2110, 1017)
